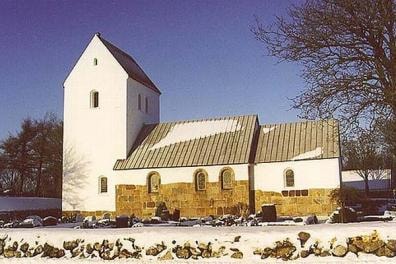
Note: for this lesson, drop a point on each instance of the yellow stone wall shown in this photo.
(135, 199)
(316, 202)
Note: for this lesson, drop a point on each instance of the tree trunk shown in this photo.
(366, 186)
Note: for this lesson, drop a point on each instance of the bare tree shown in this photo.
(366, 156)
(347, 49)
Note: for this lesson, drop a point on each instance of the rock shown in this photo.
(237, 238)
(283, 250)
(368, 244)
(352, 248)
(385, 251)
(76, 252)
(155, 250)
(14, 246)
(125, 253)
(206, 253)
(325, 253)
(97, 246)
(303, 237)
(9, 252)
(24, 247)
(183, 253)
(89, 249)
(61, 253)
(70, 245)
(234, 249)
(340, 251)
(266, 253)
(304, 253)
(317, 251)
(258, 251)
(194, 251)
(391, 244)
(38, 250)
(166, 256)
(18, 254)
(237, 255)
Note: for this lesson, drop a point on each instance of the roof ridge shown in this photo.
(141, 77)
(299, 121)
(203, 119)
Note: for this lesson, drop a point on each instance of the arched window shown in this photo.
(102, 184)
(289, 178)
(95, 61)
(146, 105)
(226, 177)
(200, 178)
(139, 102)
(94, 98)
(154, 182)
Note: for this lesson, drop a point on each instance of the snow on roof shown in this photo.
(309, 154)
(217, 141)
(268, 129)
(199, 129)
(298, 140)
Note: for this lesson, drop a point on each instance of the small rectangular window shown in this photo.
(103, 185)
(96, 100)
(95, 62)
(147, 105)
(139, 102)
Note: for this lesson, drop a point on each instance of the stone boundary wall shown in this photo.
(97, 214)
(316, 202)
(135, 199)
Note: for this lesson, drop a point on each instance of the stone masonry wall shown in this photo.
(314, 201)
(135, 199)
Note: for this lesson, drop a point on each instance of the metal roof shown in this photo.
(298, 141)
(216, 141)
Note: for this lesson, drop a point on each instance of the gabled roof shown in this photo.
(298, 141)
(214, 141)
(129, 65)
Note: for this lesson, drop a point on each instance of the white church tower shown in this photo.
(107, 99)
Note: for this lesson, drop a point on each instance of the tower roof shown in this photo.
(129, 65)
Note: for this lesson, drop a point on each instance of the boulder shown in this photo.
(303, 237)
(339, 251)
(237, 255)
(304, 253)
(385, 251)
(391, 244)
(24, 247)
(166, 256)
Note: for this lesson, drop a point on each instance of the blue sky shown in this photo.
(201, 54)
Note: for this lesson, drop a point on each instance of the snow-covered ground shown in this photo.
(251, 238)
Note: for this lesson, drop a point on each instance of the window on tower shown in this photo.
(102, 184)
(147, 105)
(95, 61)
(94, 98)
(139, 102)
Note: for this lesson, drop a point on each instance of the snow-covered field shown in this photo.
(251, 238)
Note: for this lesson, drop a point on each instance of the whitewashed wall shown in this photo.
(135, 117)
(324, 173)
(94, 138)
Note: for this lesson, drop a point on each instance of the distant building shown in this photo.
(378, 179)
(119, 158)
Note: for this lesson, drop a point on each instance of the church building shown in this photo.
(120, 159)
